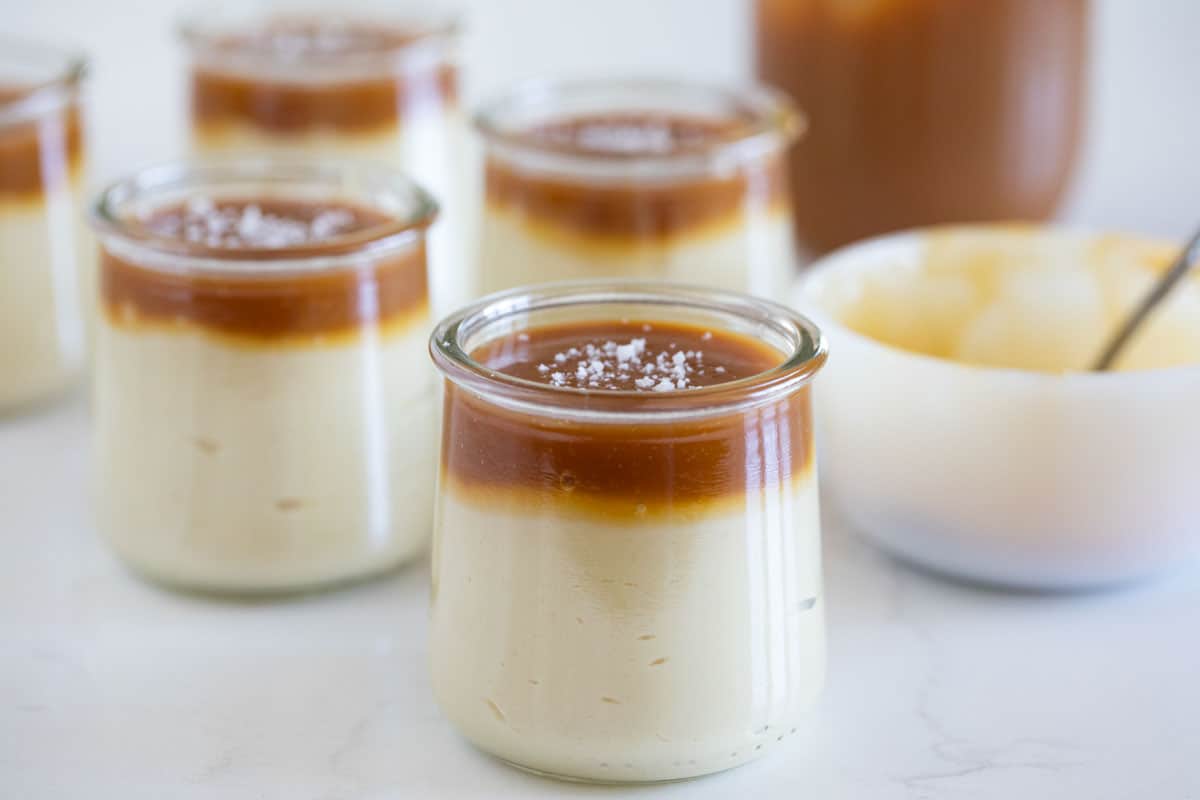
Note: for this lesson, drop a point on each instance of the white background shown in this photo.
(1140, 172)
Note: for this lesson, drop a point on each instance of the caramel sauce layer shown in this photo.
(265, 307)
(500, 457)
(629, 209)
(41, 154)
(294, 104)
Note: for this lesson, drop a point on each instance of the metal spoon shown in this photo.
(1188, 258)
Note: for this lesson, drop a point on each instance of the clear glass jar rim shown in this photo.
(798, 367)
(775, 122)
(44, 96)
(213, 172)
(440, 26)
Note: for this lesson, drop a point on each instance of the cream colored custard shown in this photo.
(263, 404)
(42, 244)
(41, 324)
(649, 180)
(617, 600)
(629, 653)
(518, 252)
(342, 83)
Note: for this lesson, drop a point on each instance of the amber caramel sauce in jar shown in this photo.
(926, 111)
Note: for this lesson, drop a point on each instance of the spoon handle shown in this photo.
(1187, 259)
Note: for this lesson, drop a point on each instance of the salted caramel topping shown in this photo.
(633, 208)
(500, 456)
(645, 134)
(254, 225)
(303, 39)
(284, 77)
(41, 154)
(627, 356)
(264, 305)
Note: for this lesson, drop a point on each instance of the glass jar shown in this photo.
(263, 411)
(626, 585)
(637, 179)
(43, 254)
(927, 111)
(371, 79)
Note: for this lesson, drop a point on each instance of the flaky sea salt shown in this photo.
(633, 134)
(649, 137)
(330, 223)
(624, 366)
(201, 221)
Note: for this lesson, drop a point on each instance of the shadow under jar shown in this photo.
(637, 179)
(626, 564)
(927, 111)
(43, 256)
(372, 80)
(263, 400)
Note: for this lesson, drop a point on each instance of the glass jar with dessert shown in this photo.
(626, 564)
(927, 111)
(637, 179)
(263, 403)
(352, 78)
(43, 246)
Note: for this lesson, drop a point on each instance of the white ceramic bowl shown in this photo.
(1007, 475)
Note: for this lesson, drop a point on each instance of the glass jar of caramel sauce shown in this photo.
(926, 111)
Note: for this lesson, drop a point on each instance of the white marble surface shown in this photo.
(111, 688)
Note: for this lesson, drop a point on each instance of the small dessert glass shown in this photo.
(263, 414)
(688, 184)
(43, 243)
(626, 585)
(352, 78)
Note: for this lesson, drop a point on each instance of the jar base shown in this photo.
(617, 781)
(45, 400)
(213, 591)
